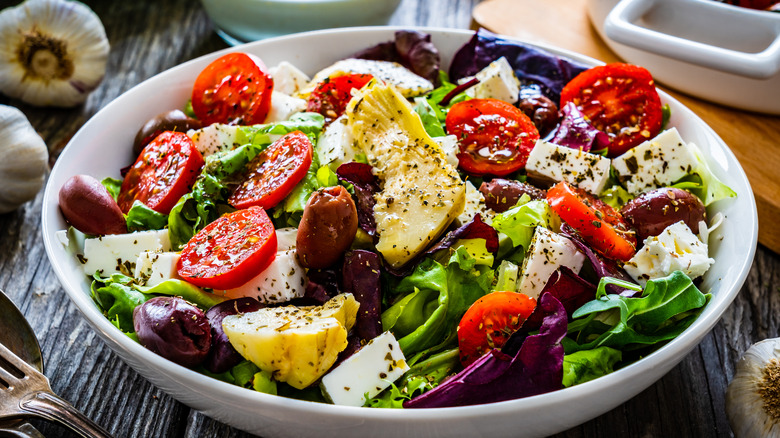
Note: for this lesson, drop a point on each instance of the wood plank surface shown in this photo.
(754, 138)
(147, 37)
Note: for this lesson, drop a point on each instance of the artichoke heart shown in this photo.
(421, 192)
(296, 345)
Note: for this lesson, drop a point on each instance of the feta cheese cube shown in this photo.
(215, 138)
(152, 268)
(283, 107)
(117, 253)
(369, 371)
(675, 249)
(287, 78)
(449, 144)
(286, 238)
(475, 203)
(655, 163)
(283, 280)
(496, 81)
(335, 145)
(551, 162)
(548, 251)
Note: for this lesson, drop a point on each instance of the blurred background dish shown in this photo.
(241, 21)
(718, 52)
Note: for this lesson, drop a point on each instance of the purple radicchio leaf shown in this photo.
(366, 184)
(576, 132)
(531, 65)
(360, 277)
(414, 50)
(602, 267)
(537, 368)
(321, 285)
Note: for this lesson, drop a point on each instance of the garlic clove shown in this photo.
(753, 395)
(25, 159)
(52, 52)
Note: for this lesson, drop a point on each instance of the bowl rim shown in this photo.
(674, 351)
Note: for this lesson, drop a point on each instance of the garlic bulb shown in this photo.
(753, 396)
(25, 159)
(52, 52)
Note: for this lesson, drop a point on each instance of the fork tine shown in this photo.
(7, 378)
(17, 362)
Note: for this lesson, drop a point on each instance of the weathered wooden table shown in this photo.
(149, 36)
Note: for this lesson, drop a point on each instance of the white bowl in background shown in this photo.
(733, 245)
(240, 21)
(718, 52)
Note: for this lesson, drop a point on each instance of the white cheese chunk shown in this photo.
(117, 253)
(369, 371)
(655, 163)
(548, 251)
(215, 138)
(675, 249)
(152, 268)
(283, 107)
(335, 145)
(552, 162)
(475, 203)
(449, 145)
(287, 78)
(283, 280)
(496, 81)
(285, 238)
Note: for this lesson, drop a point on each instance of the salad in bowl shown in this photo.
(433, 220)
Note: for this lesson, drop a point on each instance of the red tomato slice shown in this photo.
(274, 172)
(234, 89)
(331, 96)
(620, 100)
(597, 223)
(495, 137)
(163, 173)
(489, 322)
(229, 251)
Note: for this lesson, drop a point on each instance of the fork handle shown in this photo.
(53, 408)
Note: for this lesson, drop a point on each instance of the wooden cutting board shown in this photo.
(754, 138)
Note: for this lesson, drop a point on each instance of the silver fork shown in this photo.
(25, 392)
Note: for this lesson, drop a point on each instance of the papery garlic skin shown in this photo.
(753, 406)
(52, 52)
(25, 159)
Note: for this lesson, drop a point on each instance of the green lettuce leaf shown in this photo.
(113, 186)
(705, 184)
(585, 365)
(188, 291)
(140, 218)
(428, 116)
(117, 298)
(520, 221)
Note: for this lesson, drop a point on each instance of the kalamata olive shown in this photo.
(174, 329)
(542, 111)
(87, 205)
(174, 120)
(502, 194)
(222, 356)
(651, 212)
(327, 228)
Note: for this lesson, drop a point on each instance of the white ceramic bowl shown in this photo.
(733, 246)
(240, 21)
(721, 53)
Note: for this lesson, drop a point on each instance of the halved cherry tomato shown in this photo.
(331, 96)
(495, 137)
(620, 100)
(489, 322)
(273, 173)
(229, 251)
(597, 223)
(163, 173)
(234, 89)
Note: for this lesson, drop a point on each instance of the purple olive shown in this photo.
(174, 120)
(222, 355)
(174, 329)
(502, 194)
(651, 212)
(87, 205)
